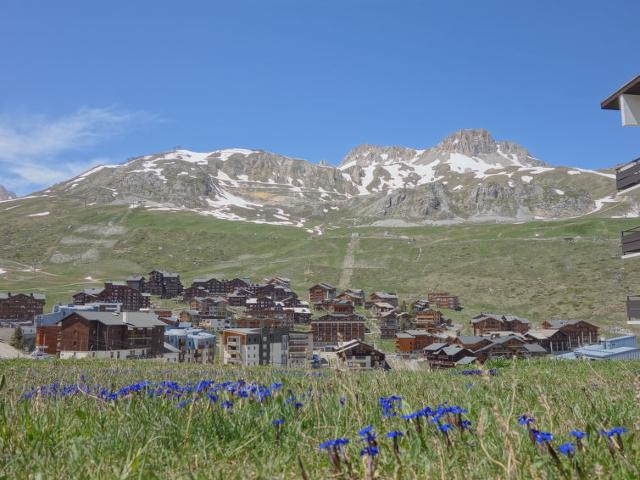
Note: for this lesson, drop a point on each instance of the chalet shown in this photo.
(428, 319)
(491, 322)
(412, 341)
(472, 342)
(255, 346)
(110, 335)
(321, 292)
(280, 281)
(238, 298)
(262, 304)
(509, 346)
(420, 305)
(164, 284)
(442, 355)
(21, 306)
(210, 286)
(136, 282)
(290, 302)
(389, 325)
(340, 306)
(358, 355)
(333, 328)
(444, 300)
(131, 300)
(382, 297)
(301, 315)
(380, 308)
(578, 332)
(355, 296)
(552, 340)
(239, 283)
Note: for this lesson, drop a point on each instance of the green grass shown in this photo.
(562, 269)
(81, 436)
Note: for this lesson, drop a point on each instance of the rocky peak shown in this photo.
(6, 194)
(366, 155)
(470, 142)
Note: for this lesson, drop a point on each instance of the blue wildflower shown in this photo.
(567, 449)
(525, 420)
(369, 451)
(579, 434)
(395, 434)
(542, 437)
(465, 424)
(445, 427)
(278, 422)
(366, 431)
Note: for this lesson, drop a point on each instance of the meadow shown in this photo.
(539, 270)
(151, 420)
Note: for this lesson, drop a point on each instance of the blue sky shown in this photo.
(83, 82)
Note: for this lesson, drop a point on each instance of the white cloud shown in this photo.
(35, 150)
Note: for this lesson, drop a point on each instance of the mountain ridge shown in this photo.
(467, 176)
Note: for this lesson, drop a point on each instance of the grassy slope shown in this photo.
(529, 269)
(136, 437)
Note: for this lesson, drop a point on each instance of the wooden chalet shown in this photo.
(443, 355)
(472, 342)
(21, 307)
(578, 332)
(281, 281)
(105, 331)
(382, 297)
(340, 306)
(420, 305)
(428, 319)
(444, 300)
(355, 296)
(552, 340)
(413, 341)
(130, 299)
(389, 324)
(358, 355)
(136, 282)
(239, 298)
(333, 328)
(321, 292)
(509, 346)
(164, 284)
(492, 322)
(380, 308)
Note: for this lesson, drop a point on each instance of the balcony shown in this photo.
(630, 241)
(633, 309)
(628, 176)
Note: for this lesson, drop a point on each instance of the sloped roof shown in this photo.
(134, 319)
(630, 88)
(7, 295)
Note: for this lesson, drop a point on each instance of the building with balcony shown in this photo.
(255, 346)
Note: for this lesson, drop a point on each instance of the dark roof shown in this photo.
(471, 339)
(534, 348)
(324, 286)
(6, 295)
(133, 319)
(562, 323)
(498, 316)
(629, 88)
(434, 347)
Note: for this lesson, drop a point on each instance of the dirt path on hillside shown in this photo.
(349, 262)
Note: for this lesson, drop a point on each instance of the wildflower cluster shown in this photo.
(544, 439)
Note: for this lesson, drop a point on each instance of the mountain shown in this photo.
(6, 194)
(469, 176)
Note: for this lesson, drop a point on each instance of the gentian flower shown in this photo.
(567, 449)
